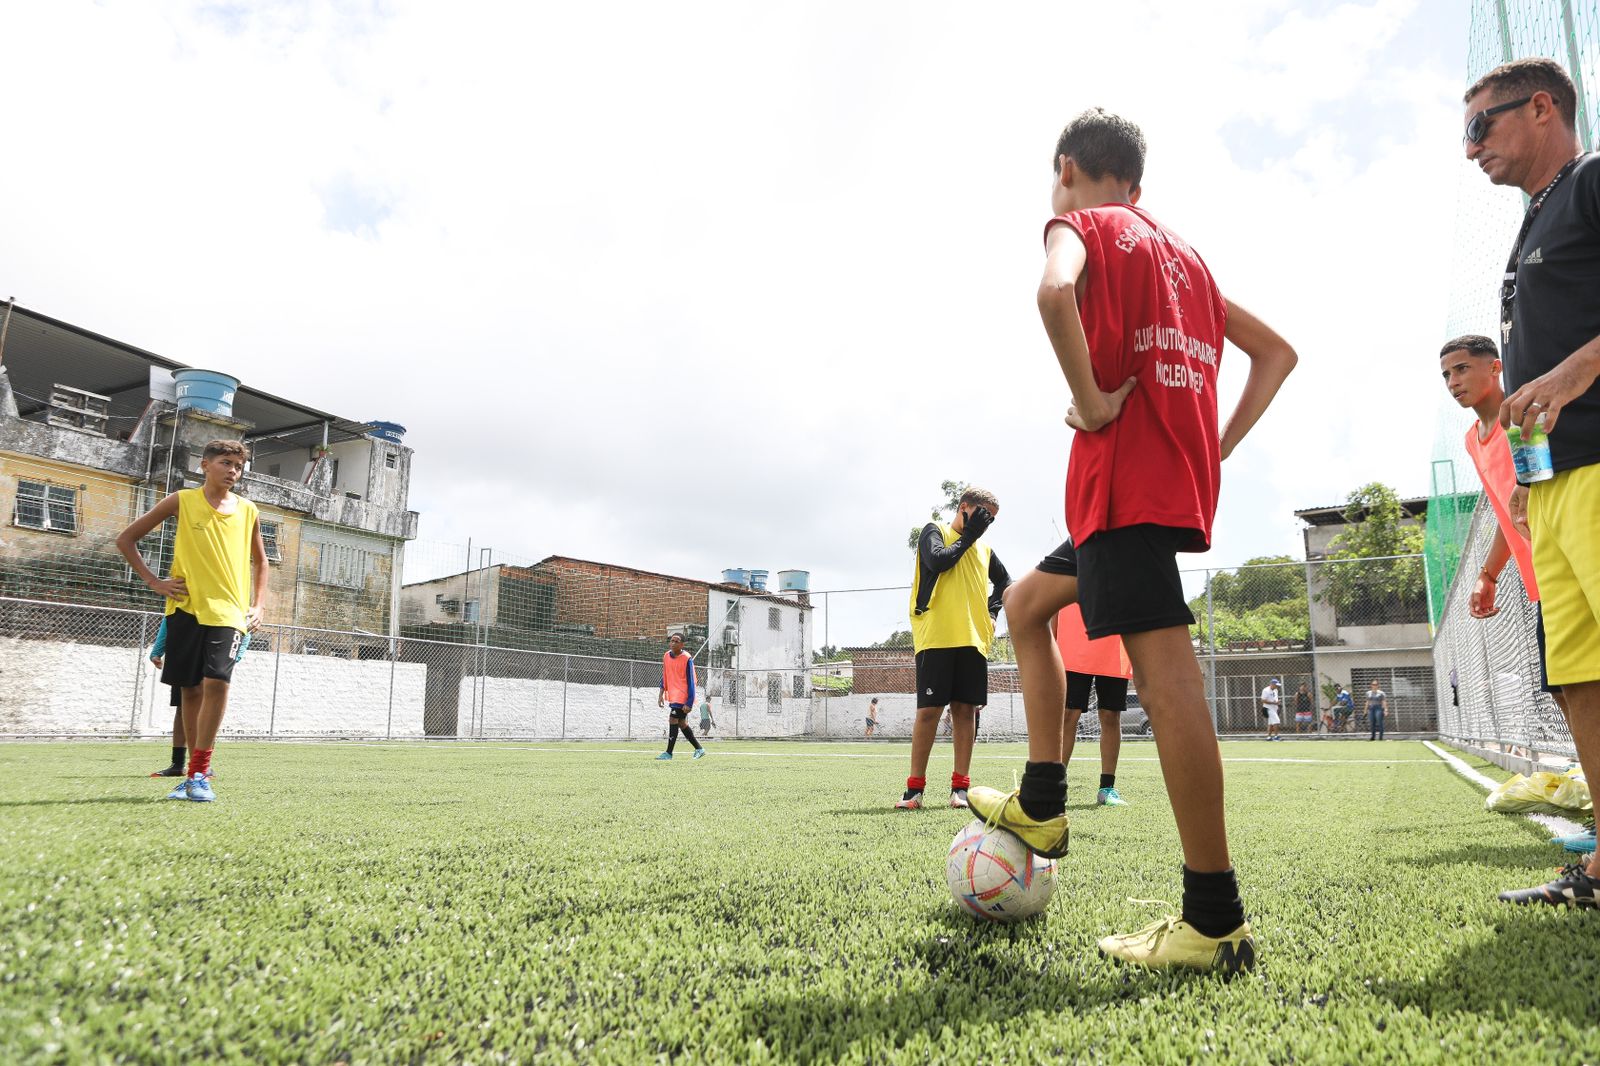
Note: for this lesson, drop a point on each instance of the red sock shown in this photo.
(916, 784)
(960, 781)
(200, 761)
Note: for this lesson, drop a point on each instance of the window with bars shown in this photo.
(52, 508)
(269, 539)
(774, 618)
(344, 566)
(774, 688)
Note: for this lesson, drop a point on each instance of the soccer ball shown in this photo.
(993, 875)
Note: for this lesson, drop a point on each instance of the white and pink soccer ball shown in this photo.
(993, 875)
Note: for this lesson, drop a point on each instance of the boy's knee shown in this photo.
(929, 714)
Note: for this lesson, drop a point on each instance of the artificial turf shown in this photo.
(488, 903)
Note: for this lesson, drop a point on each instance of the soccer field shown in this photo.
(487, 903)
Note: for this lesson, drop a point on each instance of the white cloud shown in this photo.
(586, 243)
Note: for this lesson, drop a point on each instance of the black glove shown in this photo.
(977, 522)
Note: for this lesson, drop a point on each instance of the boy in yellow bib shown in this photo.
(212, 601)
(952, 629)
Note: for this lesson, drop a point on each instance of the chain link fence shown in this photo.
(83, 669)
(1492, 671)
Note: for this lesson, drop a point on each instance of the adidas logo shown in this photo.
(1533, 257)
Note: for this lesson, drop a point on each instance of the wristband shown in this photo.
(1494, 578)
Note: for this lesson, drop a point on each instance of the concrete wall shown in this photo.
(57, 687)
(520, 707)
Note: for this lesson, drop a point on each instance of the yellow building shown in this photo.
(91, 436)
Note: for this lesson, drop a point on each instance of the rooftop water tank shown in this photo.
(794, 581)
(393, 432)
(205, 390)
(736, 577)
(758, 580)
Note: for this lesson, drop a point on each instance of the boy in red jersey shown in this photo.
(1137, 324)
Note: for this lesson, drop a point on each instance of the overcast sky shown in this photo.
(701, 285)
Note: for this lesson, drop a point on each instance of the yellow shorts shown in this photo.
(1564, 515)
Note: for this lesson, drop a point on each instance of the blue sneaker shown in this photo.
(1110, 797)
(699, 753)
(663, 756)
(200, 789)
(1578, 842)
(180, 791)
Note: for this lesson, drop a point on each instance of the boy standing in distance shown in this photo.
(1471, 369)
(212, 601)
(1304, 715)
(952, 629)
(872, 716)
(1131, 308)
(1100, 666)
(677, 695)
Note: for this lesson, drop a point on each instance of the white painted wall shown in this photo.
(63, 688)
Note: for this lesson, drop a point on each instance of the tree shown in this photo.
(900, 638)
(952, 502)
(1263, 600)
(1383, 590)
(829, 653)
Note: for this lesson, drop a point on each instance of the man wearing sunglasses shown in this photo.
(1521, 130)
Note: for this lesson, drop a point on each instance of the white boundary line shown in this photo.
(896, 756)
(1558, 826)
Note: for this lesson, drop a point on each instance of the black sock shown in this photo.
(1211, 902)
(688, 734)
(672, 736)
(1108, 780)
(178, 755)
(1044, 790)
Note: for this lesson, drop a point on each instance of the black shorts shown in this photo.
(1113, 691)
(1127, 579)
(196, 652)
(678, 712)
(1538, 635)
(952, 675)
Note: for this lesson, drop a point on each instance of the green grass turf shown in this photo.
(584, 903)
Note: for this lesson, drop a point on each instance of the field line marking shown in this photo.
(568, 749)
(1558, 826)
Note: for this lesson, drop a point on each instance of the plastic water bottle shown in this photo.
(1531, 456)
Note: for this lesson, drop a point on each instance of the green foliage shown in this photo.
(424, 905)
(952, 501)
(1264, 600)
(900, 638)
(830, 653)
(1385, 591)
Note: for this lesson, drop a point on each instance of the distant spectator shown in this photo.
(1377, 709)
(872, 716)
(1305, 718)
(1344, 706)
(1270, 702)
(706, 722)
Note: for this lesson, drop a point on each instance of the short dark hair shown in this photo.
(1472, 344)
(234, 448)
(981, 497)
(1524, 77)
(1102, 143)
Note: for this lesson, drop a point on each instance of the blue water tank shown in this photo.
(393, 432)
(205, 390)
(758, 580)
(736, 577)
(794, 581)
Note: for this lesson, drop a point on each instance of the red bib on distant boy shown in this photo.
(1150, 310)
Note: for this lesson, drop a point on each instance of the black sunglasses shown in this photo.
(1478, 125)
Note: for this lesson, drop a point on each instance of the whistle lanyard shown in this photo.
(1508, 284)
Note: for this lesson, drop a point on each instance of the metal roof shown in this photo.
(1333, 515)
(41, 352)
